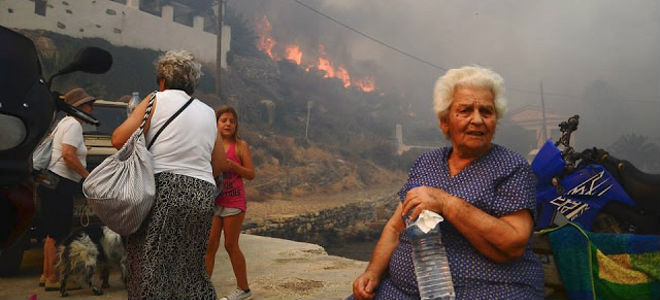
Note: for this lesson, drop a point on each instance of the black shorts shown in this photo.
(57, 204)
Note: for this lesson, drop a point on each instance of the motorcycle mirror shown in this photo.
(90, 60)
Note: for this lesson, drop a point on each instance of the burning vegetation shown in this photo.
(293, 53)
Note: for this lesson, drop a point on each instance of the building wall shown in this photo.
(532, 119)
(120, 24)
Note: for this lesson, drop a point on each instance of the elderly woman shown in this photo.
(165, 257)
(484, 191)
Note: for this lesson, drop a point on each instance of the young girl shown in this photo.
(230, 204)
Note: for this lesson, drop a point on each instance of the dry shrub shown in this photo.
(316, 154)
(351, 181)
(252, 194)
(298, 191)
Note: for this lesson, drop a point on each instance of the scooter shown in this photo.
(593, 189)
(27, 111)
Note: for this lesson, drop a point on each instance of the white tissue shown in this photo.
(427, 220)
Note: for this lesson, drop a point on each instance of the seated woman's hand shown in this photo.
(424, 198)
(364, 285)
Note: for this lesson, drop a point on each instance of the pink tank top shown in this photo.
(233, 191)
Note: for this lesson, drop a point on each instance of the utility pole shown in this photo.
(218, 52)
(309, 109)
(543, 127)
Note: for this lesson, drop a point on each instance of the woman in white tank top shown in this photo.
(68, 165)
(165, 257)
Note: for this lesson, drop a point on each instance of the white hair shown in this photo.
(468, 76)
(179, 70)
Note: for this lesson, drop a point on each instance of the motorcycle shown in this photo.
(28, 108)
(608, 200)
(594, 189)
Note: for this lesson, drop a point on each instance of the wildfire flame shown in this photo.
(325, 65)
(292, 52)
(367, 84)
(343, 75)
(266, 42)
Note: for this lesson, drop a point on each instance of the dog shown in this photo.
(88, 250)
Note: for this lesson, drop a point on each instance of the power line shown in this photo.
(561, 95)
(372, 38)
(574, 97)
(384, 44)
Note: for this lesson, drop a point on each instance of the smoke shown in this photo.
(567, 45)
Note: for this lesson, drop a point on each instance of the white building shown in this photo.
(531, 118)
(121, 22)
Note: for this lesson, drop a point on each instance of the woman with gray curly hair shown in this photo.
(485, 192)
(165, 256)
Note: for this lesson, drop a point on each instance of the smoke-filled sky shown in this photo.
(597, 58)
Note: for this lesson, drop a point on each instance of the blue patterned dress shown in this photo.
(499, 183)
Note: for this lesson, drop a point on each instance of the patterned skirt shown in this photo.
(165, 257)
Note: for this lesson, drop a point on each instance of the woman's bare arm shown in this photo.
(501, 239)
(126, 129)
(70, 157)
(365, 284)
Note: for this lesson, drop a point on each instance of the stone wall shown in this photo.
(120, 24)
(352, 222)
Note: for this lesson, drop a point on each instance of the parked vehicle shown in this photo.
(594, 189)
(27, 110)
(591, 188)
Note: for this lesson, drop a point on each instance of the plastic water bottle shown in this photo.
(133, 103)
(430, 259)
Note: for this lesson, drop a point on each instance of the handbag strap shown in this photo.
(147, 112)
(169, 121)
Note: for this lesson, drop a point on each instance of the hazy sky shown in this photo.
(611, 46)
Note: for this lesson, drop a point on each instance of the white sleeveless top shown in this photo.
(185, 145)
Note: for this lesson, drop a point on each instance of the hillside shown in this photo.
(349, 142)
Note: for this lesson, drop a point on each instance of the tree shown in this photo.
(638, 150)
(603, 115)
(243, 38)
